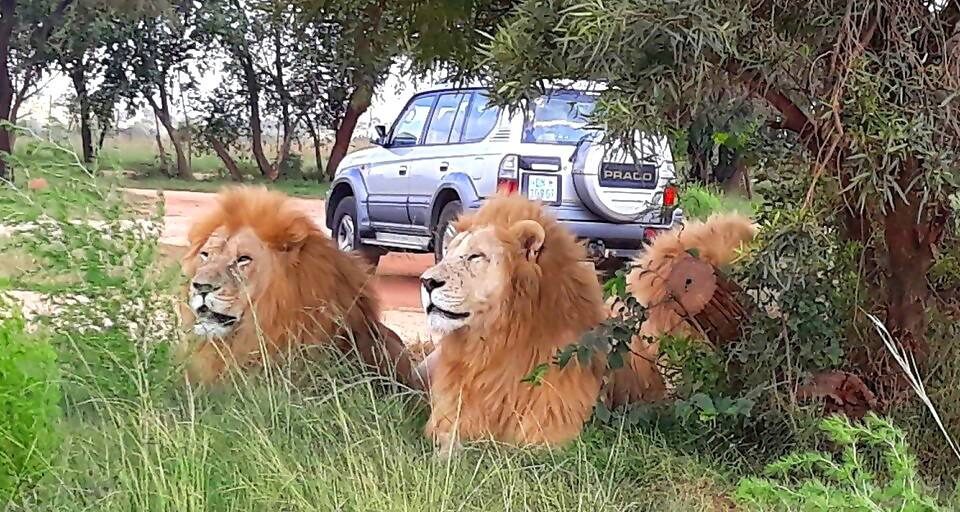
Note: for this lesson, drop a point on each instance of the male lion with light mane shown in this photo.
(264, 279)
(509, 293)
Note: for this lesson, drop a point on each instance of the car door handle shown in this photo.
(444, 166)
(403, 170)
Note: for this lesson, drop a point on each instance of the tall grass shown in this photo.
(337, 440)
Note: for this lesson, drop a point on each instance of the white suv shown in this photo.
(450, 149)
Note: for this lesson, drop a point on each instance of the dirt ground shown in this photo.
(396, 281)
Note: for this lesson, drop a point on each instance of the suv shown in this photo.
(449, 149)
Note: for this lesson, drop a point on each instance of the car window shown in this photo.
(481, 117)
(562, 117)
(459, 120)
(444, 113)
(410, 124)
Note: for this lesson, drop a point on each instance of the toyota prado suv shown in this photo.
(450, 149)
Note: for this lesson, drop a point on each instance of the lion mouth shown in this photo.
(449, 314)
(205, 313)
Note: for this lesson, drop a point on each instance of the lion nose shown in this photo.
(204, 288)
(431, 284)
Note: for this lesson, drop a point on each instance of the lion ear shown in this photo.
(297, 231)
(530, 234)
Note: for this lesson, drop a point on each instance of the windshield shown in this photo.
(561, 117)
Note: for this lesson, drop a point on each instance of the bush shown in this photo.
(29, 407)
(846, 480)
(699, 202)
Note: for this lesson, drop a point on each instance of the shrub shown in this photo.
(699, 202)
(846, 479)
(98, 264)
(29, 407)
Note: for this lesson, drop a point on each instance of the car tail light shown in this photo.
(507, 186)
(670, 196)
(507, 182)
(651, 233)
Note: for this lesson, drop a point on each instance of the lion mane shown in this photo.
(316, 294)
(716, 241)
(478, 388)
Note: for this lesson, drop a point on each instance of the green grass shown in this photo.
(340, 441)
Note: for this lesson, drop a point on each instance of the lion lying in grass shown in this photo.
(716, 242)
(509, 293)
(264, 279)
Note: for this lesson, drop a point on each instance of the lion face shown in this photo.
(231, 270)
(467, 287)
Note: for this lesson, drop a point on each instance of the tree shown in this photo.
(25, 29)
(374, 34)
(228, 24)
(76, 44)
(156, 48)
(865, 90)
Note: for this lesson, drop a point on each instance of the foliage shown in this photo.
(29, 405)
(845, 480)
(96, 264)
(699, 202)
(859, 95)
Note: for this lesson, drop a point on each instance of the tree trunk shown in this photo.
(7, 22)
(78, 76)
(316, 146)
(256, 128)
(909, 258)
(162, 112)
(160, 148)
(227, 160)
(359, 103)
(284, 148)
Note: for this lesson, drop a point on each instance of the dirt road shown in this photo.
(396, 280)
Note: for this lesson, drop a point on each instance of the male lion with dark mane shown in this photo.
(510, 292)
(716, 242)
(264, 279)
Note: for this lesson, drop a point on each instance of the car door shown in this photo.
(388, 178)
(480, 152)
(436, 155)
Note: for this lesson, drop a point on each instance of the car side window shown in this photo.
(481, 118)
(409, 126)
(444, 113)
(457, 130)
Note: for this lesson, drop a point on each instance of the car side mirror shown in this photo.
(404, 139)
(381, 134)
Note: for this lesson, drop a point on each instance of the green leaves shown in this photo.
(844, 480)
(29, 405)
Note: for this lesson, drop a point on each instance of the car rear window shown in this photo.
(560, 117)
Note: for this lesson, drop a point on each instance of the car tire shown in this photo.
(449, 213)
(346, 236)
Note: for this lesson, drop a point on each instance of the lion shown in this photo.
(509, 293)
(264, 280)
(716, 241)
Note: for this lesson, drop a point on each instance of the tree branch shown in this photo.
(794, 119)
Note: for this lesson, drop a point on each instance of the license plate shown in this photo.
(544, 188)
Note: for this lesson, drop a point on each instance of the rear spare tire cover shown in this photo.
(617, 205)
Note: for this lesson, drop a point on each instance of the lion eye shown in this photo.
(243, 260)
(474, 257)
(204, 255)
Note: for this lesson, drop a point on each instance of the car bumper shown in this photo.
(604, 238)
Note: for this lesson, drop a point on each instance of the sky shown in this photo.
(386, 105)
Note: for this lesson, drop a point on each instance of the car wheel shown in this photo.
(445, 230)
(347, 236)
